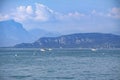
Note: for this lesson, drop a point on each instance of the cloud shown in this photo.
(76, 14)
(43, 13)
(4, 17)
(114, 13)
(21, 9)
(29, 10)
(96, 13)
(71, 16)
(40, 13)
(22, 13)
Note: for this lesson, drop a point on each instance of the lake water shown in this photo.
(59, 64)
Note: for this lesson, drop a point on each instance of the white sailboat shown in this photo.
(49, 49)
(93, 49)
(42, 50)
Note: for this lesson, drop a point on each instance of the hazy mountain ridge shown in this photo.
(12, 32)
(80, 40)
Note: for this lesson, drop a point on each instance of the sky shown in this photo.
(64, 16)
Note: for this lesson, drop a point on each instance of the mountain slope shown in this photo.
(12, 33)
(81, 40)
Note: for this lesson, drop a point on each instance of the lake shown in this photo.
(59, 64)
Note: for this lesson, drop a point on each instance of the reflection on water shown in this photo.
(59, 64)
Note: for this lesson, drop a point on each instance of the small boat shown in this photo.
(42, 50)
(49, 49)
(93, 49)
(15, 55)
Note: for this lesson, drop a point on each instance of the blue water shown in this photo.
(59, 64)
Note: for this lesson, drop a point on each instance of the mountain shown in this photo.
(12, 32)
(80, 40)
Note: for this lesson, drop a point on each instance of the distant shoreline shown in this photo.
(12, 48)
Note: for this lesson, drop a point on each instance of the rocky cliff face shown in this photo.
(81, 40)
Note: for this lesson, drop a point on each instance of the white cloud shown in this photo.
(72, 15)
(22, 13)
(112, 13)
(21, 9)
(29, 9)
(42, 12)
(24, 9)
(4, 17)
(115, 13)
(95, 13)
(76, 15)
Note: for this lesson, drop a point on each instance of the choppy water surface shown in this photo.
(59, 64)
